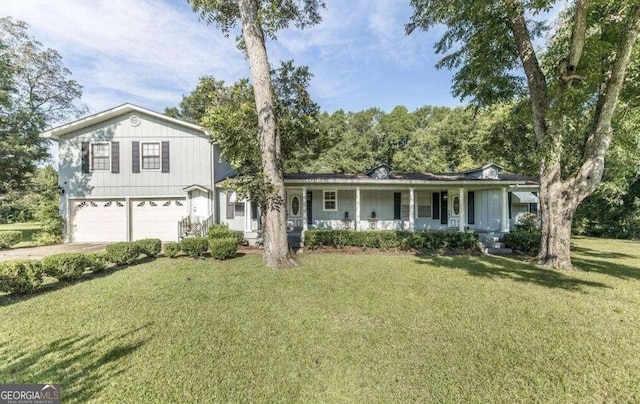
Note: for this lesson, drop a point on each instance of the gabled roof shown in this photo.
(484, 167)
(55, 133)
(196, 187)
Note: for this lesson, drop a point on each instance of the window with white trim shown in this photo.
(100, 156)
(330, 200)
(150, 153)
(424, 204)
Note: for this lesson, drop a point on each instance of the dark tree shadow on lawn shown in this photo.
(512, 269)
(83, 365)
(599, 254)
(620, 271)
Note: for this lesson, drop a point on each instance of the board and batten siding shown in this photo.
(190, 161)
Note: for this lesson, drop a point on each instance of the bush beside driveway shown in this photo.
(41, 252)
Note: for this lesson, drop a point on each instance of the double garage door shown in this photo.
(118, 219)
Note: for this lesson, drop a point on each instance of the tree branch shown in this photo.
(599, 138)
(536, 81)
(578, 34)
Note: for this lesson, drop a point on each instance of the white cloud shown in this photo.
(145, 50)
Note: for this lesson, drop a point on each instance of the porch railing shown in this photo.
(188, 227)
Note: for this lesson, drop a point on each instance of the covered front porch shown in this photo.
(419, 208)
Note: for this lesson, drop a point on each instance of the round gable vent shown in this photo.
(134, 120)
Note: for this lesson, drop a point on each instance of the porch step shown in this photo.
(497, 251)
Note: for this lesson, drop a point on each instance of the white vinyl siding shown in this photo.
(150, 156)
(100, 156)
(330, 200)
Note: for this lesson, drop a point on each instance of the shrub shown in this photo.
(65, 266)
(525, 242)
(223, 248)
(20, 276)
(150, 247)
(223, 231)
(386, 240)
(9, 238)
(528, 222)
(194, 246)
(171, 250)
(123, 253)
(97, 262)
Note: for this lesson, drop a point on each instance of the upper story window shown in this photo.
(330, 200)
(150, 156)
(100, 156)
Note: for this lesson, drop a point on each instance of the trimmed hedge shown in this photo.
(9, 238)
(194, 247)
(97, 261)
(123, 253)
(20, 276)
(223, 248)
(65, 266)
(223, 231)
(389, 239)
(171, 250)
(526, 242)
(149, 247)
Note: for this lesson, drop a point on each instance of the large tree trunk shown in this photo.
(276, 247)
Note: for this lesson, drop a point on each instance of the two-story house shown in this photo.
(130, 173)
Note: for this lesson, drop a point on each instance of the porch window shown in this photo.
(100, 156)
(239, 209)
(230, 206)
(150, 156)
(330, 199)
(424, 204)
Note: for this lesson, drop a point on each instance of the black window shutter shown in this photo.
(435, 205)
(85, 157)
(135, 157)
(443, 207)
(254, 210)
(471, 207)
(309, 207)
(165, 157)
(509, 203)
(397, 209)
(115, 157)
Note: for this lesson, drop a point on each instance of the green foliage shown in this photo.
(223, 231)
(9, 238)
(526, 242)
(97, 262)
(223, 248)
(194, 247)
(36, 92)
(385, 240)
(172, 249)
(20, 276)
(65, 266)
(529, 222)
(123, 253)
(149, 247)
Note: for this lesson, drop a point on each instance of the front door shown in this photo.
(199, 202)
(295, 209)
(454, 210)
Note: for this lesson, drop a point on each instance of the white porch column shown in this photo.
(505, 211)
(356, 225)
(304, 209)
(411, 209)
(247, 215)
(463, 212)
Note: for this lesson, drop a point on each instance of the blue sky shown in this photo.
(152, 52)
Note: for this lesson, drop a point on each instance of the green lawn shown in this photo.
(28, 231)
(359, 328)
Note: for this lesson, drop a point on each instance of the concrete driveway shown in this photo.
(39, 252)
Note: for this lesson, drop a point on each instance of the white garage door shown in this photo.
(98, 221)
(157, 218)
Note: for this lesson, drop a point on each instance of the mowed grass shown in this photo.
(341, 328)
(28, 231)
